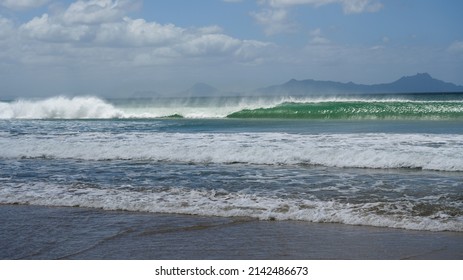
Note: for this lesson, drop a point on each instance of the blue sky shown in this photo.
(118, 47)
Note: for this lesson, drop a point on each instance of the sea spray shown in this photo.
(328, 107)
(59, 108)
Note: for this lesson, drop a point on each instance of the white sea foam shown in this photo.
(96, 108)
(369, 150)
(222, 203)
(59, 108)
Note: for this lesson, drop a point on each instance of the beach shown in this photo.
(36, 232)
(230, 130)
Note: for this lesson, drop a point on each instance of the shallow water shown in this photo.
(31, 232)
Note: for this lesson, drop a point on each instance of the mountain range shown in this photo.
(419, 83)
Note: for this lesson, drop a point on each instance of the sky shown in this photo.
(117, 48)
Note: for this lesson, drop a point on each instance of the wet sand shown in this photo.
(37, 232)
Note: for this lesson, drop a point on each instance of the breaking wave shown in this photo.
(59, 108)
(359, 110)
(179, 200)
(371, 150)
(235, 107)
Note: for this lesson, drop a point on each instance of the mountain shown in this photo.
(419, 83)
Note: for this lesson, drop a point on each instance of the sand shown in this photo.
(38, 232)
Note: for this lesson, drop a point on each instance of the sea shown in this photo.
(388, 161)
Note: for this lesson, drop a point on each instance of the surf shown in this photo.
(377, 107)
(440, 152)
(362, 109)
(59, 108)
(180, 200)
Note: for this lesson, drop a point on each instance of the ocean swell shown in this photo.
(235, 107)
(364, 109)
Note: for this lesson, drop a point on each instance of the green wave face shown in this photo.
(429, 110)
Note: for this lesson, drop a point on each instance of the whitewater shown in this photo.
(384, 161)
(371, 150)
(354, 107)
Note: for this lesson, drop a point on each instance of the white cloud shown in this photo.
(317, 38)
(96, 11)
(23, 4)
(6, 28)
(209, 44)
(456, 47)
(361, 6)
(137, 33)
(275, 16)
(45, 28)
(210, 29)
(99, 32)
(274, 21)
(349, 6)
(254, 52)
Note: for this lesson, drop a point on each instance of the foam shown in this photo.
(96, 108)
(59, 108)
(220, 107)
(370, 150)
(179, 200)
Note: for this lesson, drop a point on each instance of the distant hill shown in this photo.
(419, 83)
(200, 90)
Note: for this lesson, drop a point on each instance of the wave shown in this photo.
(440, 152)
(97, 108)
(179, 200)
(235, 107)
(59, 108)
(430, 110)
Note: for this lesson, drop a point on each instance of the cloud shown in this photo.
(208, 44)
(349, 6)
(22, 4)
(97, 11)
(6, 28)
(100, 32)
(317, 37)
(360, 6)
(274, 17)
(48, 29)
(137, 33)
(274, 21)
(456, 47)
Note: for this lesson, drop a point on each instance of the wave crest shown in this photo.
(358, 110)
(235, 107)
(59, 108)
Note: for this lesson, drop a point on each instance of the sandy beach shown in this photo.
(36, 232)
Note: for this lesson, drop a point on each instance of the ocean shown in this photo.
(383, 161)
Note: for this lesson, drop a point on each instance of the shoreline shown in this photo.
(41, 232)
